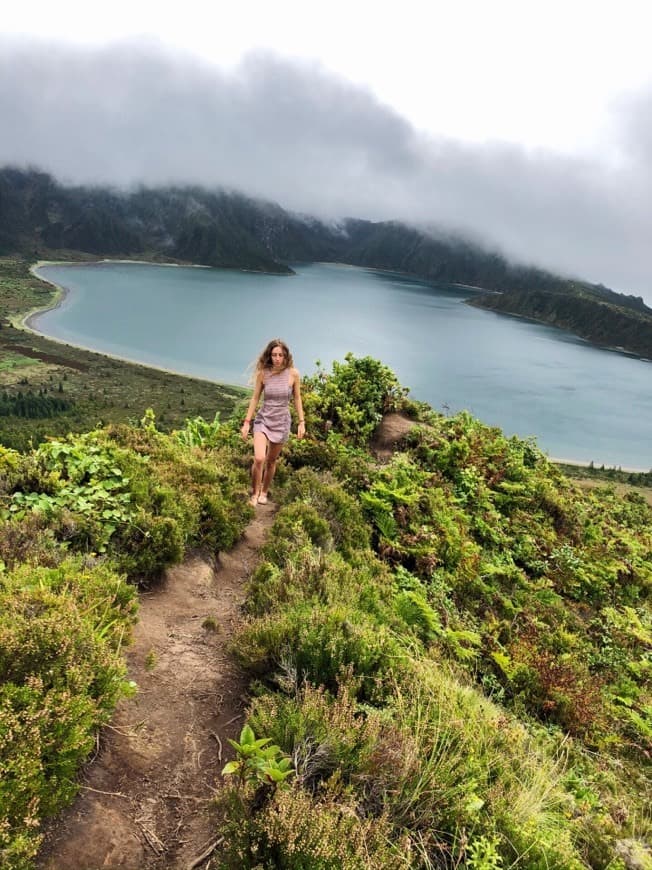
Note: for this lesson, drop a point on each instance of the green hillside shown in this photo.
(449, 647)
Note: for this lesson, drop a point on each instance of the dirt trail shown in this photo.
(145, 799)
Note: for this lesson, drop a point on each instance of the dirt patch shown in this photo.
(145, 800)
(45, 357)
(389, 434)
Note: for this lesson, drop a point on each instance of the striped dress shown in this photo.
(273, 417)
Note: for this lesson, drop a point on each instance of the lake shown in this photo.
(581, 402)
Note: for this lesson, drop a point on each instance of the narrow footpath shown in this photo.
(145, 800)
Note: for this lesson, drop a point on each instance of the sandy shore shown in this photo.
(25, 321)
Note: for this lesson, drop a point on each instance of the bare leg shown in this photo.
(260, 451)
(273, 453)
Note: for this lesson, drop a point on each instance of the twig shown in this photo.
(108, 793)
(219, 743)
(152, 840)
(197, 758)
(233, 719)
(97, 747)
(125, 733)
(198, 674)
(209, 694)
(205, 854)
(184, 797)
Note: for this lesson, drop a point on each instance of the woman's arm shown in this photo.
(298, 404)
(253, 404)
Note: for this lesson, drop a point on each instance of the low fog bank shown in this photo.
(134, 113)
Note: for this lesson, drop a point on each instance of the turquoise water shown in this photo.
(581, 402)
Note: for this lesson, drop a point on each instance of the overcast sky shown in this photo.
(527, 125)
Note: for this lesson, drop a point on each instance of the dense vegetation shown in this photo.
(42, 218)
(453, 648)
(450, 650)
(32, 405)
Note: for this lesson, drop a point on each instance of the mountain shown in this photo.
(211, 228)
(600, 321)
(39, 216)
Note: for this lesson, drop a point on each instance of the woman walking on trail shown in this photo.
(277, 381)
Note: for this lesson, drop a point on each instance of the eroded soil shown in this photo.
(145, 800)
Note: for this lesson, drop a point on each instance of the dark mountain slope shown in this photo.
(597, 320)
(392, 245)
(228, 229)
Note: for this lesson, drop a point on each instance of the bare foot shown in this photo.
(262, 498)
(253, 501)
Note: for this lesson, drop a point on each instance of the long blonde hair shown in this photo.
(264, 361)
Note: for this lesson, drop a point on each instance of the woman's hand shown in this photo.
(301, 430)
(246, 426)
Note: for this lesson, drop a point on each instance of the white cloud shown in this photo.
(296, 133)
(532, 73)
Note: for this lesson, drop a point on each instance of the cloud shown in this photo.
(291, 131)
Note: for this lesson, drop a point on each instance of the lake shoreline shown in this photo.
(30, 323)
(27, 321)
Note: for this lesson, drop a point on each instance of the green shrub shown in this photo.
(197, 432)
(418, 523)
(298, 521)
(61, 673)
(309, 577)
(297, 832)
(320, 641)
(340, 510)
(31, 540)
(44, 737)
(221, 521)
(450, 760)
(415, 611)
(351, 466)
(148, 545)
(323, 733)
(288, 542)
(134, 493)
(352, 399)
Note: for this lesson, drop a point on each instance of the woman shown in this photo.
(278, 381)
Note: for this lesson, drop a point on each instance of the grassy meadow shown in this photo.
(449, 649)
